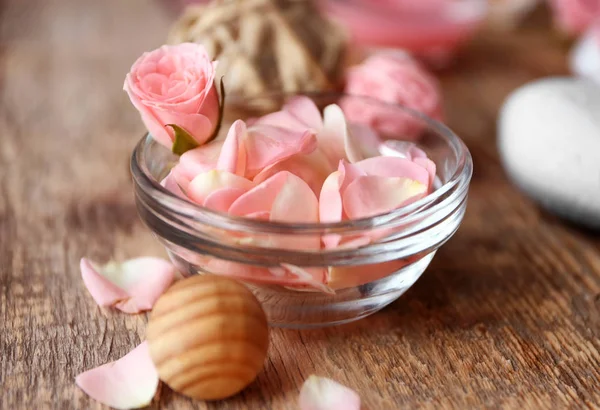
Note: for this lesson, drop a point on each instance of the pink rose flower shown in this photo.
(393, 78)
(575, 16)
(175, 85)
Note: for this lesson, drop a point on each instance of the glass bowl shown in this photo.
(361, 278)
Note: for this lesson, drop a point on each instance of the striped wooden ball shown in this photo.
(208, 337)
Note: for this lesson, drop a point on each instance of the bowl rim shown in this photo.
(457, 184)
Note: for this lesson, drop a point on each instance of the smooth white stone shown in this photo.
(549, 142)
(584, 59)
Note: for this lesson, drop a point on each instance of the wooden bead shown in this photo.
(208, 337)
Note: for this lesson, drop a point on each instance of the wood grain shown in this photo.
(507, 316)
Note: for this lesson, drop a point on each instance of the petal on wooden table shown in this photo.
(320, 393)
(128, 383)
(132, 286)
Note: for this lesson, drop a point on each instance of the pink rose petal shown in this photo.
(260, 198)
(340, 141)
(221, 199)
(373, 195)
(280, 119)
(300, 113)
(313, 278)
(320, 393)
(286, 198)
(170, 184)
(330, 199)
(429, 165)
(295, 202)
(132, 286)
(333, 137)
(233, 154)
(365, 139)
(259, 275)
(180, 177)
(128, 383)
(395, 167)
(151, 122)
(267, 145)
(208, 182)
(402, 149)
(104, 292)
(197, 125)
(350, 172)
(201, 159)
(312, 168)
(304, 109)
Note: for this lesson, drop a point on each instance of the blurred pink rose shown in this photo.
(393, 78)
(175, 85)
(575, 16)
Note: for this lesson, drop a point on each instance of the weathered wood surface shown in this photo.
(506, 316)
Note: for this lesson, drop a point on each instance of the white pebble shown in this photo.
(549, 142)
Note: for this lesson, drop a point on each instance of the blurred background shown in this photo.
(64, 62)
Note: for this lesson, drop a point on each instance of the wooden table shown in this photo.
(506, 316)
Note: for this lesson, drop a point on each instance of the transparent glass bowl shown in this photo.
(365, 278)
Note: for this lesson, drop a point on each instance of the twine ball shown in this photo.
(266, 46)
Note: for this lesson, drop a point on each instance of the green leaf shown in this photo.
(183, 140)
(221, 110)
